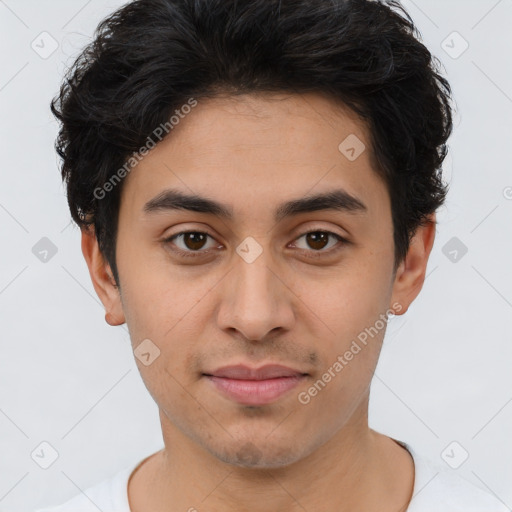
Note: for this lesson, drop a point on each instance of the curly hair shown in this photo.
(151, 56)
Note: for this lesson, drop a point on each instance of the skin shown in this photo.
(217, 310)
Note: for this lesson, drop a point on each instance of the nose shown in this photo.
(256, 300)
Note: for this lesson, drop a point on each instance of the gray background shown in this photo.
(68, 379)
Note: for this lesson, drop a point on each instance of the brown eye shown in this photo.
(194, 243)
(317, 241)
(190, 243)
(194, 240)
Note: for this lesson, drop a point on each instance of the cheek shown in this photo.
(349, 341)
(347, 300)
(169, 310)
(154, 295)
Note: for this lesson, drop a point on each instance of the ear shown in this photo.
(102, 278)
(410, 274)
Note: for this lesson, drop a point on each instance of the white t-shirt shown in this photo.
(435, 489)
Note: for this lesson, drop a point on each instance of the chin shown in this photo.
(258, 455)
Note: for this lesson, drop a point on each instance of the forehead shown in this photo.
(260, 149)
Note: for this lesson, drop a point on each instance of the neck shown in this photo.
(357, 468)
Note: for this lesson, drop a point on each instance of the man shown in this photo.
(256, 182)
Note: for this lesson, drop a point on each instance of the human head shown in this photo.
(150, 57)
(272, 89)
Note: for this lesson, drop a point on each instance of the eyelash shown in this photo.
(316, 254)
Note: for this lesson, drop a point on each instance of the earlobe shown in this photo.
(410, 274)
(102, 278)
(113, 320)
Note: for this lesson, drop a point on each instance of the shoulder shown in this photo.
(441, 489)
(109, 495)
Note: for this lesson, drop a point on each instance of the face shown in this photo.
(265, 284)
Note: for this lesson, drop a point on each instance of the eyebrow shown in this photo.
(336, 200)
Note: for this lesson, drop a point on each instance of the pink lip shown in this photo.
(255, 386)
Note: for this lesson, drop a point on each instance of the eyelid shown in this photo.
(342, 241)
(321, 229)
(181, 252)
(312, 254)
